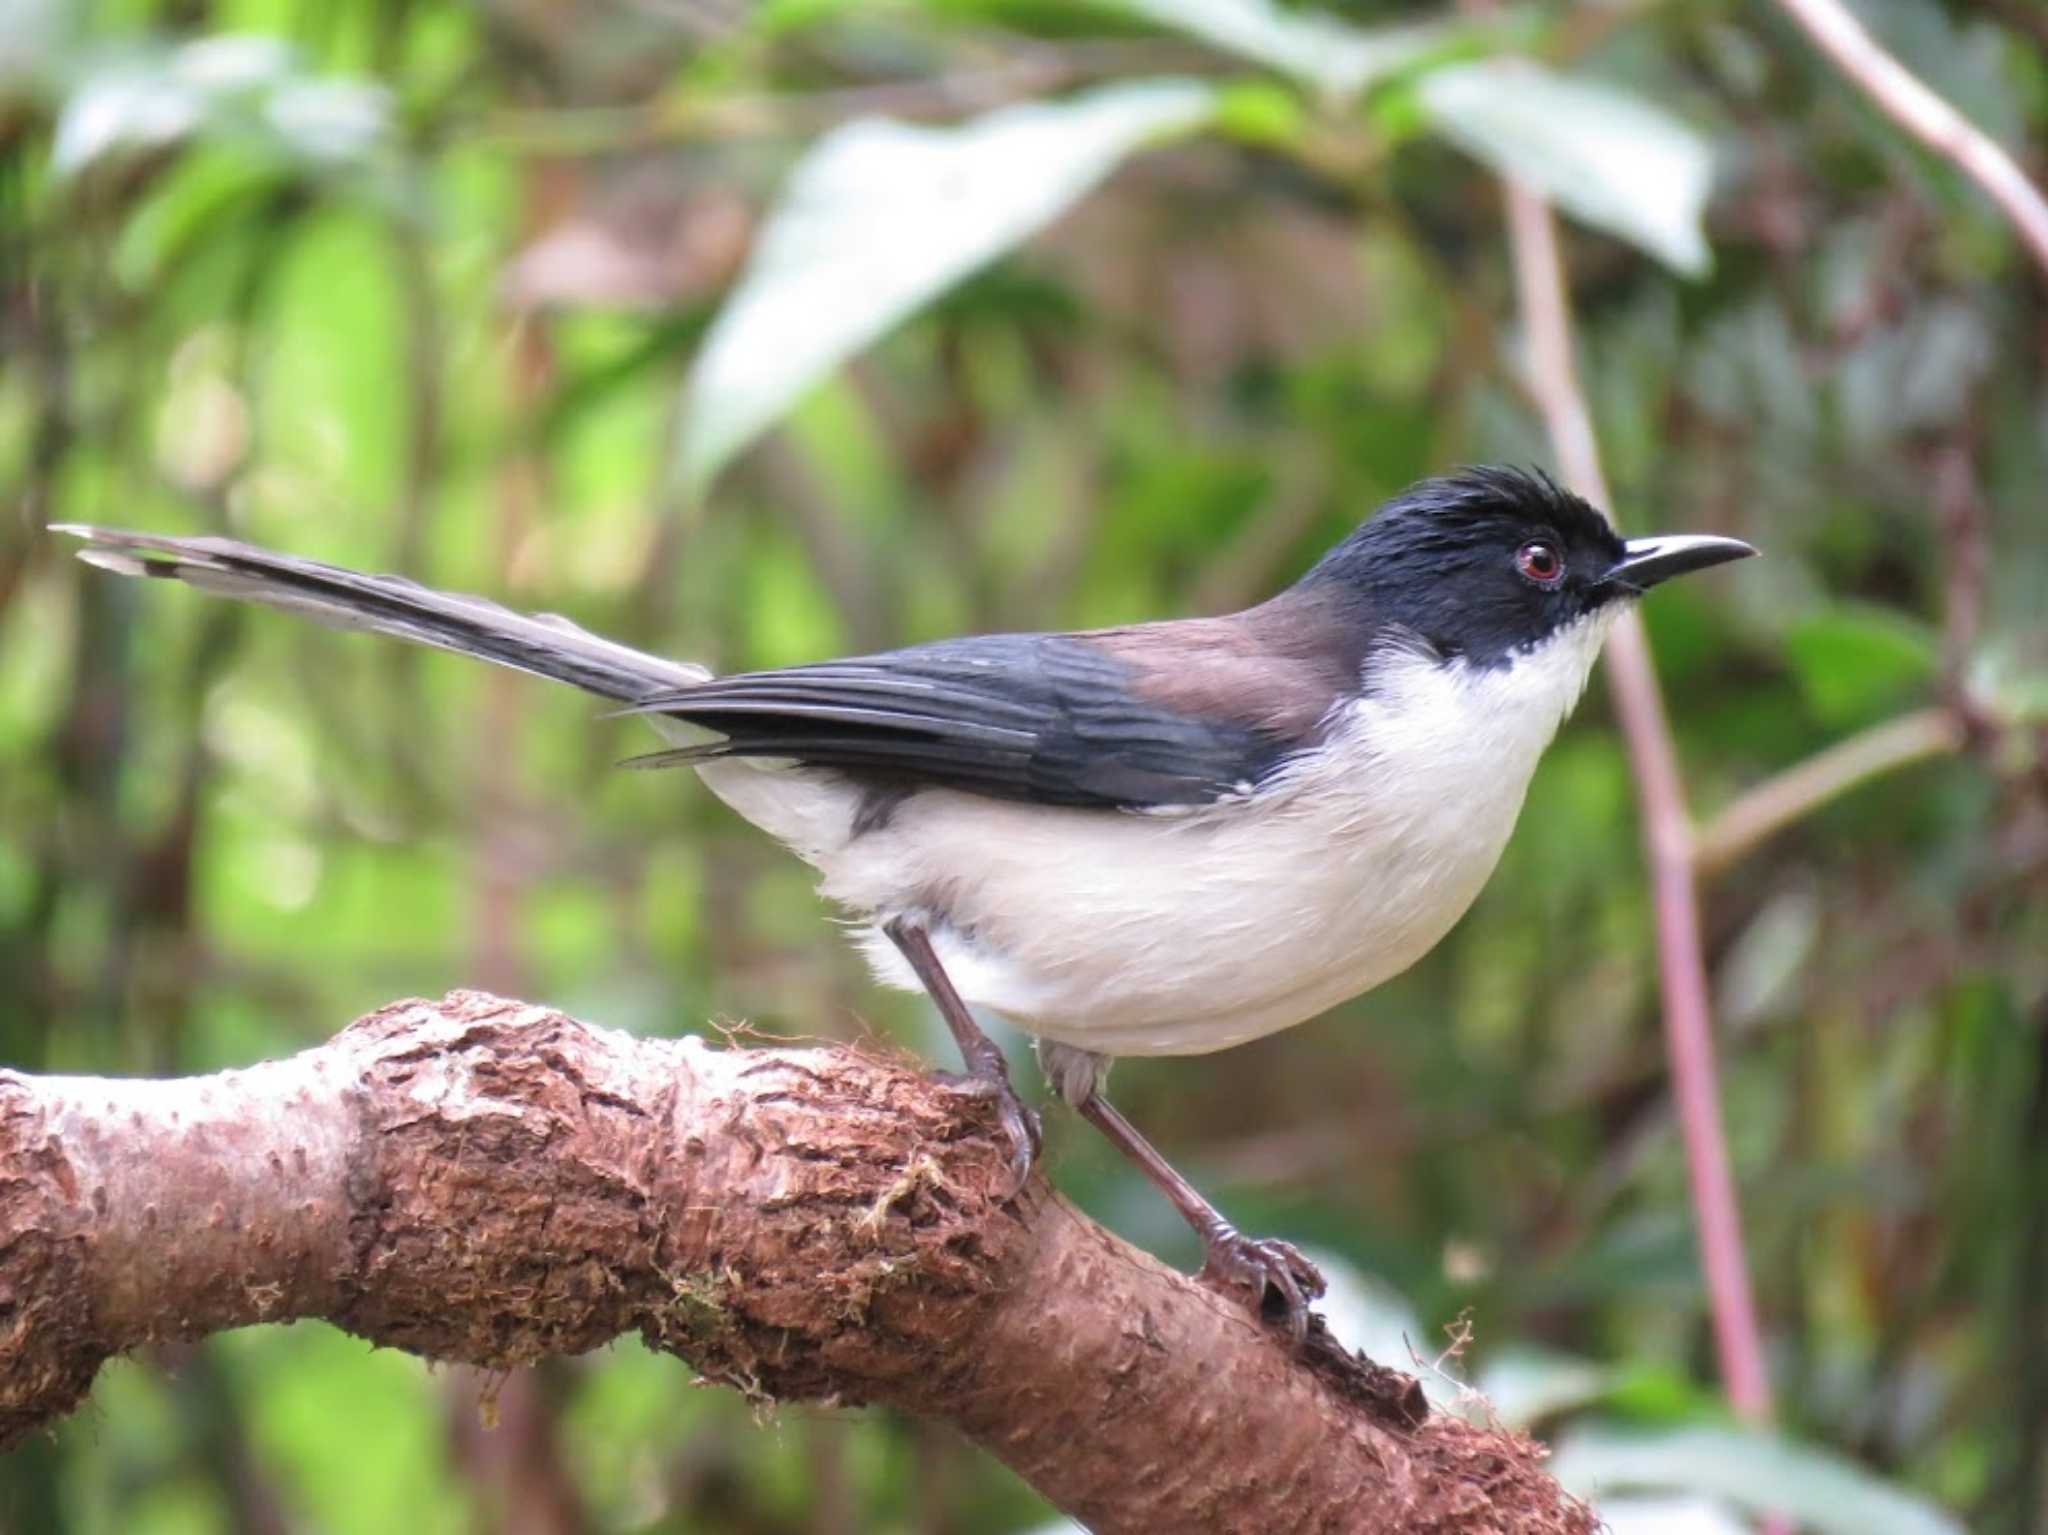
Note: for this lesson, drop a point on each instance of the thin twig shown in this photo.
(1901, 96)
(1546, 318)
(1803, 788)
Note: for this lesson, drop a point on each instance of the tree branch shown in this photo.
(1907, 101)
(1796, 793)
(496, 1183)
(1667, 828)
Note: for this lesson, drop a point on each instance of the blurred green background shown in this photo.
(629, 310)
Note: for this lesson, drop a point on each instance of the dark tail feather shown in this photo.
(542, 644)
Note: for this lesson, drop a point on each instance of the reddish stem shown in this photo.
(1688, 1018)
(1667, 830)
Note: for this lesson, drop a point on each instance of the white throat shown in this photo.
(1446, 722)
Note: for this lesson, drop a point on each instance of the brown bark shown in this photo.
(496, 1183)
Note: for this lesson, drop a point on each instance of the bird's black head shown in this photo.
(1488, 562)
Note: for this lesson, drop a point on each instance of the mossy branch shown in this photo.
(481, 1180)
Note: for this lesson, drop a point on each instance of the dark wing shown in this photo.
(1053, 719)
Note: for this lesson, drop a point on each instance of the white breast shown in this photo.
(1175, 934)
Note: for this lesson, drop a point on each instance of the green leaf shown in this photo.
(287, 1380)
(1765, 963)
(1260, 112)
(1338, 59)
(881, 216)
(1760, 1472)
(1601, 154)
(1855, 663)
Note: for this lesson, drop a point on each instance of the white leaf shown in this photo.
(237, 61)
(123, 108)
(1523, 1383)
(332, 120)
(240, 88)
(1762, 1473)
(40, 36)
(1669, 1516)
(1600, 153)
(1311, 45)
(881, 216)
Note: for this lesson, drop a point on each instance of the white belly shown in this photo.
(1180, 933)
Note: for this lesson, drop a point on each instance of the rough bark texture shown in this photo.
(486, 1181)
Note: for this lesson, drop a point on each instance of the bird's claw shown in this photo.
(1019, 1121)
(1273, 1275)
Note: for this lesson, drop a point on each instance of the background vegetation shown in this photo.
(551, 301)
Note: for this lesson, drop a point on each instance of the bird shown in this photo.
(1161, 838)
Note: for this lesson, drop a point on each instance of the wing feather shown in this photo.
(1049, 719)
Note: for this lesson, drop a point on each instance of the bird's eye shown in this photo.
(1540, 562)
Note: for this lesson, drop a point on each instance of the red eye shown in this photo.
(1540, 562)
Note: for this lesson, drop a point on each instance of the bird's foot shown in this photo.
(1019, 1121)
(1272, 1275)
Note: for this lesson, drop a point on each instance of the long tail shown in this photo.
(542, 644)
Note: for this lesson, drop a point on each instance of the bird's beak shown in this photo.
(1646, 561)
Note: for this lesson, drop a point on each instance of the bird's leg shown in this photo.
(1279, 1281)
(987, 1072)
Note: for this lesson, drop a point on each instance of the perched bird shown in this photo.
(1161, 839)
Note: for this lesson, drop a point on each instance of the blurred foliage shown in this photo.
(471, 292)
